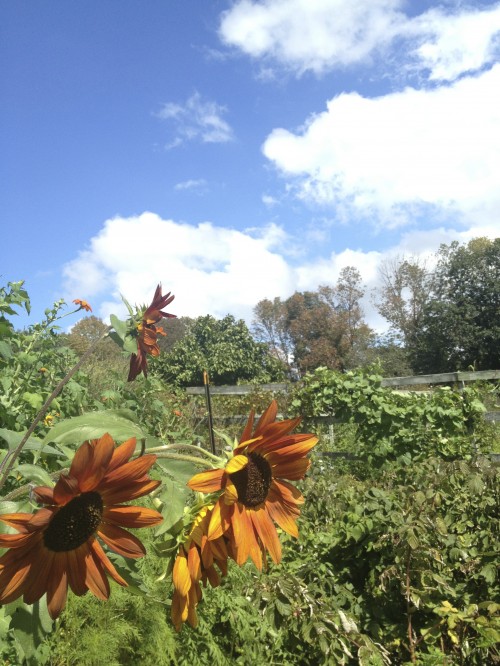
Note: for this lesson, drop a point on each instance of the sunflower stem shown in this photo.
(180, 456)
(9, 460)
(190, 447)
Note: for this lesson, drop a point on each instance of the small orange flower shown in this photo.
(255, 492)
(58, 546)
(194, 563)
(83, 305)
(147, 333)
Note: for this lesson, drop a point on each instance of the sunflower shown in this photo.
(57, 546)
(194, 562)
(256, 493)
(147, 333)
(83, 305)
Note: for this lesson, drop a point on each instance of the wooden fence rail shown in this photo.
(443, 378)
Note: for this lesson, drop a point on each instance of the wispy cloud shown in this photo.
(324, 35)
(196, 120)
(199, 185)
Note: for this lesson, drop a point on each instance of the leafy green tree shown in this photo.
(403, 294)
(460, 325)
(270, 326)
(223, 347)
(313, 328)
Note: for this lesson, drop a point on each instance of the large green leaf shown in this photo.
(34, 473)
(119, 423)
(29, 626)
(173, 492)
(14, 438)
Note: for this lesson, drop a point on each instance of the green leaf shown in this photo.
(34, 473)
(120, 327)
(5, 349)
(29, 626)
(33, 399)
(8, 507)
(489, 573)
(14, 438)
(120, 424)
(173, 494)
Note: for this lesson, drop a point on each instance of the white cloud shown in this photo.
(456, 44)
(197, 119)
(327, 34)
(400, 154)
(305, 35)
(210, 269)
(198, 185)
(214, 270)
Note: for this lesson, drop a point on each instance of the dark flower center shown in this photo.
(74, 523)
(253, 481)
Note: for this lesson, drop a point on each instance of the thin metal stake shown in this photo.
(209, 408)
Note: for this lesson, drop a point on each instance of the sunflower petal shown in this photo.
(121, 541)
(132, 516)
(236, 463)
(267, 417)
(122, 453)
(289, 492)
(36, 586)
(82, 461)
(247, 431)
(292, 452)
(281, 514)
(107, 564)
(194, 565)
(267, 533)
(208, 481)
(75, 566)
(95, 578)
(17, 520)
(130, 471)
(57, 586)
(43, 495)
(180, 573)
(294, 470)
(102, 454)
(130, 491)
(65, 489)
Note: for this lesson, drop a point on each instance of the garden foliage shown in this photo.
(397, 557)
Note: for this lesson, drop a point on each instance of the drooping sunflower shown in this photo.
(194, 563)
(58, 545)
(256, 489)
(147, 333)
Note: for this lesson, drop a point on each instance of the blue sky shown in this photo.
(240, 150)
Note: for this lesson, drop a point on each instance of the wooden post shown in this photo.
(209, 408)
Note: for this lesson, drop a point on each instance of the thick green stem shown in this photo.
(190, 447)
(179, 456)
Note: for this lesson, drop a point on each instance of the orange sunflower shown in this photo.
(147, 334)
(83, 305)
(194, 562)
(256, 493)
(57, 546)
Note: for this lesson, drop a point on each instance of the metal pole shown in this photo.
(209, 408)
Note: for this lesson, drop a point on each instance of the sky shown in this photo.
(236, 151)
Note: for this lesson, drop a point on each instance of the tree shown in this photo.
(270, 327)
(403, 294)
(460, 326)
(223, 347)
(317, 328)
